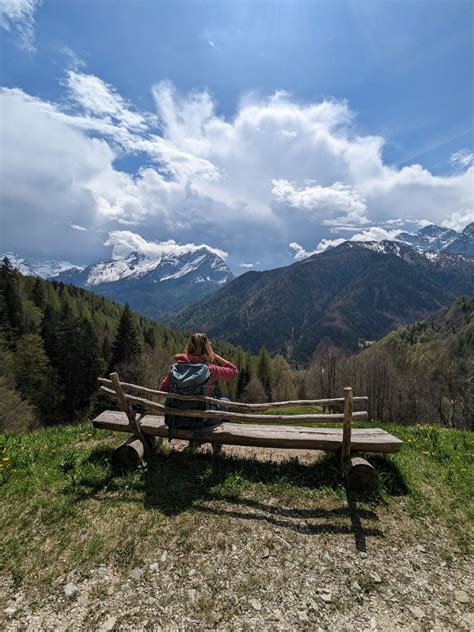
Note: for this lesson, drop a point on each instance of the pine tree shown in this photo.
(264, 372)
(11, 302)
(150, 337)
(38, 294)
(29, 366)
(126, 348)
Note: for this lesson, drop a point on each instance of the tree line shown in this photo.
(56, 340)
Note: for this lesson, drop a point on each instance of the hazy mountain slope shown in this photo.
(341, 297)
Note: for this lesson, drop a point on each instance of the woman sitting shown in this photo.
(195, 373)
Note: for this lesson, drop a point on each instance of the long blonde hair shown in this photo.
(199, 345)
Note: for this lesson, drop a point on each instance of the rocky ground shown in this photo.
(254, 565)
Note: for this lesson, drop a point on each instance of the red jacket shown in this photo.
(219, 372)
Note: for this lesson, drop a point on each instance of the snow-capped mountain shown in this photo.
(434, 238)
(154, 286)
(44, 269)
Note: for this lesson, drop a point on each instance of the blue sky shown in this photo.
(391, 143)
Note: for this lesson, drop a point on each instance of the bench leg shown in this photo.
(359, 473)
(129, 454)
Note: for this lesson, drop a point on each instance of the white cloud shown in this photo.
(462, 158)
(19, 16)
(422, 223)
(323, 202)
(77, 227)
(374, 233)
(124, 242)
(102, 100)
(460, 219)
(277, 171)
(246, 265)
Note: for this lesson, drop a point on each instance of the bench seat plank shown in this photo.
(277, 436)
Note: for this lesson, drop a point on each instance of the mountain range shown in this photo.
(43, 270)
(154, 286)
(159, 287)
(438, 239)
(345, 297)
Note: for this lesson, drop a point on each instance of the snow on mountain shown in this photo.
(155, 286)
(431, 237)
(132, 266)
(464, 244)
(44, 269)
(155, 269)
(51, 269)
(19, 263)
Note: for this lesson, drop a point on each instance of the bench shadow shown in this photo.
(173, 482)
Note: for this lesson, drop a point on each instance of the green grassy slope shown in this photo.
(63, 508)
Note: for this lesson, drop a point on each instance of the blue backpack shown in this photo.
(187, 379)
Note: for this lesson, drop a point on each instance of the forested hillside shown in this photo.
(56, 339)
(340, 298)
(420, 373)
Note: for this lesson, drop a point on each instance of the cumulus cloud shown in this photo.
(19, 16)
(338, 205)
(124, 242)
(275, 172)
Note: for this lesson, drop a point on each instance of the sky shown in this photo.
(265, 130)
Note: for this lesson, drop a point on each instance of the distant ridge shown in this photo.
(344, 297)
(435, 238)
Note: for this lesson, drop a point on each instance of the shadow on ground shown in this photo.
(173, 482)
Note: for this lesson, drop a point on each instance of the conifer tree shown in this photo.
(126, 348)
(11, 296)
(264, 372)
(150, 337)
(38, 294)
(29, 366)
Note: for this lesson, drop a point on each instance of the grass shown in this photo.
(62, 507)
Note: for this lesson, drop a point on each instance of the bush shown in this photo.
(16, 414)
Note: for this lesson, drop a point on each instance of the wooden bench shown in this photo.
(263, 431)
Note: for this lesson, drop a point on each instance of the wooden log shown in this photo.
(359, 473)
(128, 410)
(237, 405)
(129, 454)
(347, 424)
(229, 415)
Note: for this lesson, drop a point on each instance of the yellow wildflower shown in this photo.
(425, 452)
(6, 458)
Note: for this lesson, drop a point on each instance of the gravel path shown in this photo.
(262, 566)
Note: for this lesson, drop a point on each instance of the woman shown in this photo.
(217, 369)
(200, 351)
